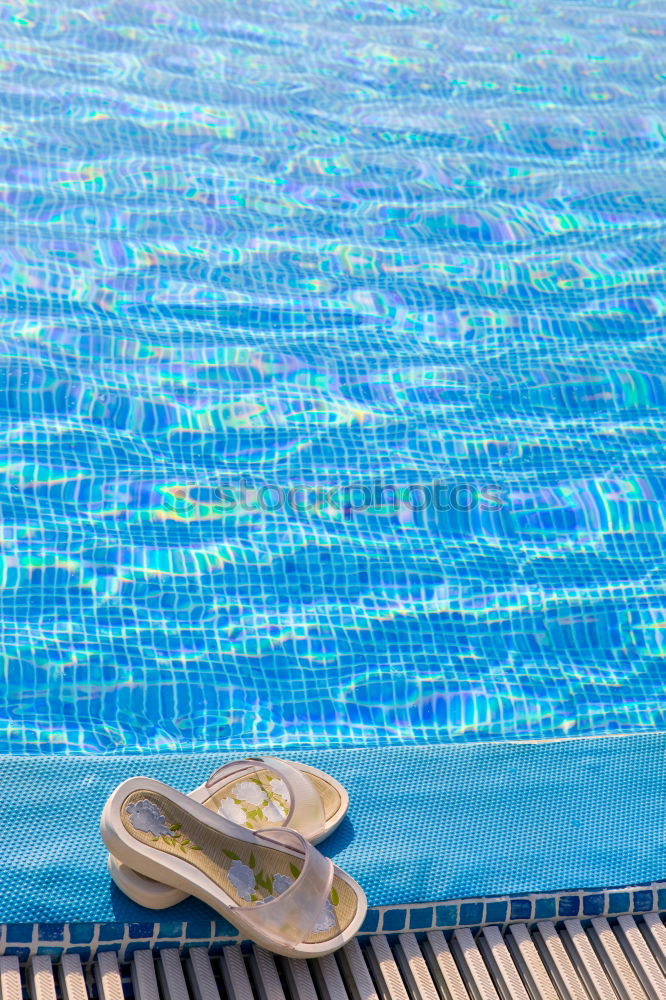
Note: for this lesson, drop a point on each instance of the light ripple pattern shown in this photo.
(328, 246)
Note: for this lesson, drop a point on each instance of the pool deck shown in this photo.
(439, 836)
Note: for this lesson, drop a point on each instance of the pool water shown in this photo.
(333, 373)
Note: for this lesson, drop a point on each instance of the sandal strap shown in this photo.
(292, 916)
(306, 810)
(232, 769)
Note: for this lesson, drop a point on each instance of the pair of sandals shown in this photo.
(243, 843)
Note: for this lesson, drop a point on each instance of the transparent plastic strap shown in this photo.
(306, 810)
(234, 769)
(291, 917)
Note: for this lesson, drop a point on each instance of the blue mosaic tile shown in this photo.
(51, 932)
(50, 949)
(619, 902)
(111, 932)
(19, 932)
(170, 929)
(111, 946)
(521, 909)
(496, 912)
(544, 908)
(141, 930)
(569, 906)
(420, 918)
(81, 933)
(593, 905)
(643, 900)
(394, 920)
(447, 916)
(471, 913)
(23, 954)
(223, 928)
(198, 929)
(661, 899)
(371, 922)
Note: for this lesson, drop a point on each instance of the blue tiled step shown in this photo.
(512, 825)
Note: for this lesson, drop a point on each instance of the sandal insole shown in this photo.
(247, 873)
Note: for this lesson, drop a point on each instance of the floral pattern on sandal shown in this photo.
(146, 818)
(253, 803)
(249, 884)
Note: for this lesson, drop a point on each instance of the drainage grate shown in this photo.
(623, 960)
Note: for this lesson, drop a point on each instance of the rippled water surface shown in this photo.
(332, 247)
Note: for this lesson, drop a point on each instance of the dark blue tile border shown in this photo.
(619, 902)
(593, 905)
(394, 919)
(643, 901)
(86, 938)
(496, 912)
(471, 913)
(545, 908)
(569, 906)
(420, 918)
(521, 909)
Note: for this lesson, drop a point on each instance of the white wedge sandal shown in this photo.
(271, 884)
(257, 793)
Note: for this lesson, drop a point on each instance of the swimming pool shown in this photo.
(333, 387)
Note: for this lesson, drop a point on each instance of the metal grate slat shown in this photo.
(444, 971)
(557, 961)
(612, 957)
(641, 957)
(299, 979)
(10, 978)
(107, 974)
(72, 978)
(473, 968)
(584, 957)
(171, 976)
(498, 959)
(528, 962)
(328, 980)
(356, 973)
(654, 932)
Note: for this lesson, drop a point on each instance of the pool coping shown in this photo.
(594, 804)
